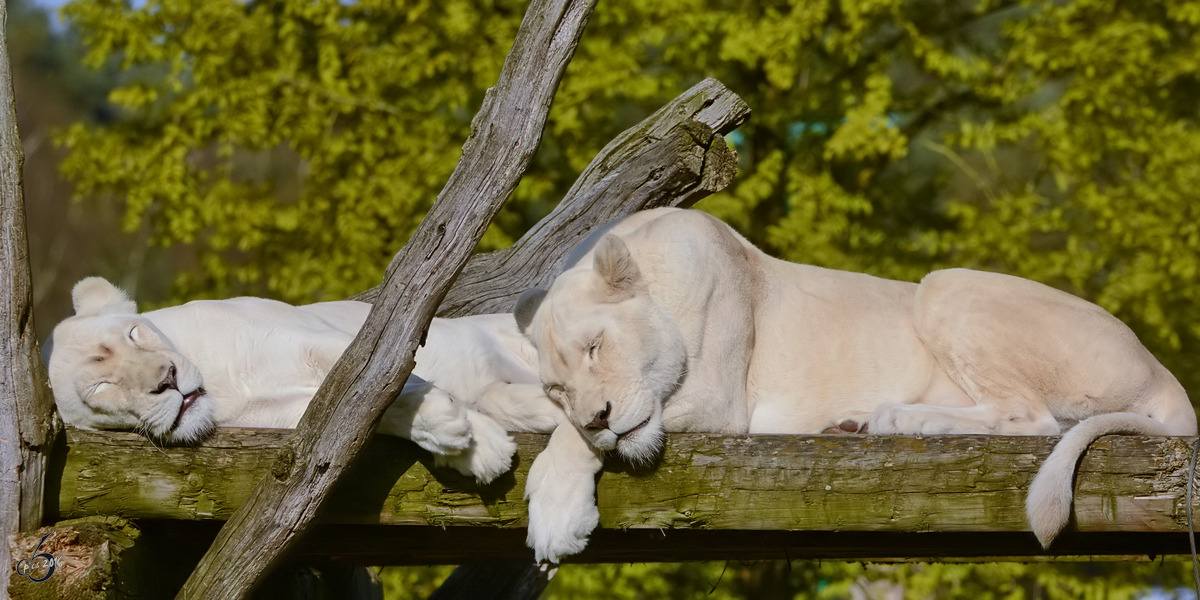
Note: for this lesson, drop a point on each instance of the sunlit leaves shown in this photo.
(297, 144)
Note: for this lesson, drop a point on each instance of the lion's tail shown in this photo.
(1048, 506)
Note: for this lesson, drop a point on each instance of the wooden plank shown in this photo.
(720, 488)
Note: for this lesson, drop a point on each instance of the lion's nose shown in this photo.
(168, 383)
(601, 419)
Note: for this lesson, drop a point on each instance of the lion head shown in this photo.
(609, 354)
(111, 368)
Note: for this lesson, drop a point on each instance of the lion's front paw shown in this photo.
(440, 426)
(562, 509)
(489, 453)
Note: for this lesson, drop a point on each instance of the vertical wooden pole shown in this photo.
(25, 402)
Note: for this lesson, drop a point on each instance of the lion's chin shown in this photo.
(196, 425)
(644, 445)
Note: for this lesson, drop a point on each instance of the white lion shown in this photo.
(176, 373)
(674, 322)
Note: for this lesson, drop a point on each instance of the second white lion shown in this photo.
(176, 373)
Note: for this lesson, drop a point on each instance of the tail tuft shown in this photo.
(1048, 505)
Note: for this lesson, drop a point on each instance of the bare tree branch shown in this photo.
(672, 158)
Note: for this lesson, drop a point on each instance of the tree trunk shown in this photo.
(26, 407)
(504, 137)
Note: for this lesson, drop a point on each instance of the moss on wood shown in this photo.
(734, 482)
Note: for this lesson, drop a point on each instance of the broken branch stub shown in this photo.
(672, 158)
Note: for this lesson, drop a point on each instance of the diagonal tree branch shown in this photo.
(505, 134)
(672, 158)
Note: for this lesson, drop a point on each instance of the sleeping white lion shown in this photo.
(176, 373)
(674, 322)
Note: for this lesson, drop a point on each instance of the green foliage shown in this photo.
(297, 144)
(412, 583)
(801, 580)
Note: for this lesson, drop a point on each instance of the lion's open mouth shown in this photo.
(188, 400)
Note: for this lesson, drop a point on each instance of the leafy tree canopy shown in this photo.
(297, 144)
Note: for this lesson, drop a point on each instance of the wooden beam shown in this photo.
(712, 496)
(500, 547)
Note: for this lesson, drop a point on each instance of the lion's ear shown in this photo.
(526, 307)
(613, 262)
(95, 296)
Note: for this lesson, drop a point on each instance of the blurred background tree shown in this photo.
(293, 146)
(288, 149)
(831, 580)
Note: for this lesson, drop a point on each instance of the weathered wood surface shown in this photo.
(672, 158)
(504, 137)
(735, 488)
(25, 402)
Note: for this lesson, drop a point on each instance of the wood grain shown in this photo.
(726, 485)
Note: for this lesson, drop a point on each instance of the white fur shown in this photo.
(674, 319)
(561, 491)
(260, 362)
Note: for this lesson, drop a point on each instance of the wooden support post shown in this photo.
(339, 421)
(26, 407)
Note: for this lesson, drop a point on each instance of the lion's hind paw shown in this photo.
(488, 454)
(441, 426)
